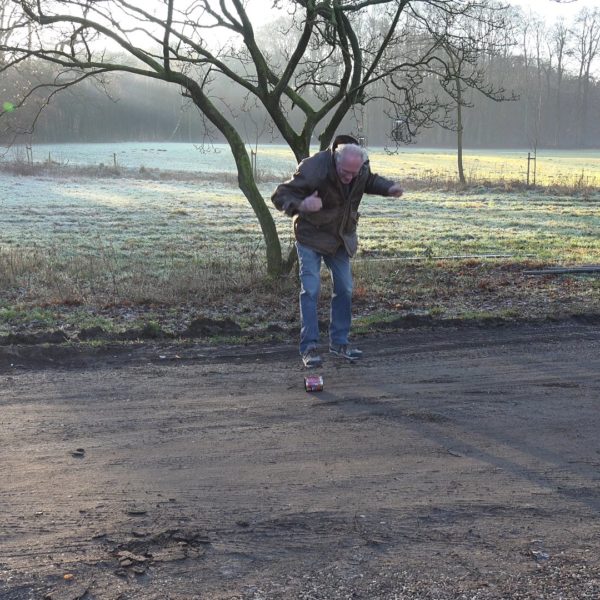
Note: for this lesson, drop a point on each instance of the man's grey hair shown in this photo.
(348, 150)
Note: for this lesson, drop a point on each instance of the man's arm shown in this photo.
(299, 194)
(381, 186)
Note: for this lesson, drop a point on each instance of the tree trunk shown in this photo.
(459, 132)
(275, 264)
(584, 110)
(557, 137)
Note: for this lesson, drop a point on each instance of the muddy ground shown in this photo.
(449, 463)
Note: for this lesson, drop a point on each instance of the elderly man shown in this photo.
(323, 197)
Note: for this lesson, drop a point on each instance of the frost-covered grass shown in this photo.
(167, 234)
(124, 239)
(549, 228)
(565, 168)
(113, 240)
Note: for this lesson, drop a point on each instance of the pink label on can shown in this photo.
(313, 383)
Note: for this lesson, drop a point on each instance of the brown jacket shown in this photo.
(335, 223)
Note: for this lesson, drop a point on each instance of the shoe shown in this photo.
(344, 351)
(311, 358)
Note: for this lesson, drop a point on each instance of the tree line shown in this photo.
(547, 72)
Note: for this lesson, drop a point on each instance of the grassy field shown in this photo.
(91, 242)
(577, 168)
(554, 168)
(170, 223)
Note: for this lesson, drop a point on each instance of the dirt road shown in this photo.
(447, 464)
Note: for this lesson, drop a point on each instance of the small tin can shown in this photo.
(313, 383)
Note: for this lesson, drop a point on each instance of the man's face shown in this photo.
(348, 167)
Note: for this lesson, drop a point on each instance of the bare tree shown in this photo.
(542, 65)
(7, 10)
(331, 62)
(462, 44)
(558, 46)
(587, 45)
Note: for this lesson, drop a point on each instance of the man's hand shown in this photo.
(396, 191)
(311, 203)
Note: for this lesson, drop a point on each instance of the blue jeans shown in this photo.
(310, 285)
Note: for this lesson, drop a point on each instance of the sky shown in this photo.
(261, 13)
(552, 11)
(548, 9)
